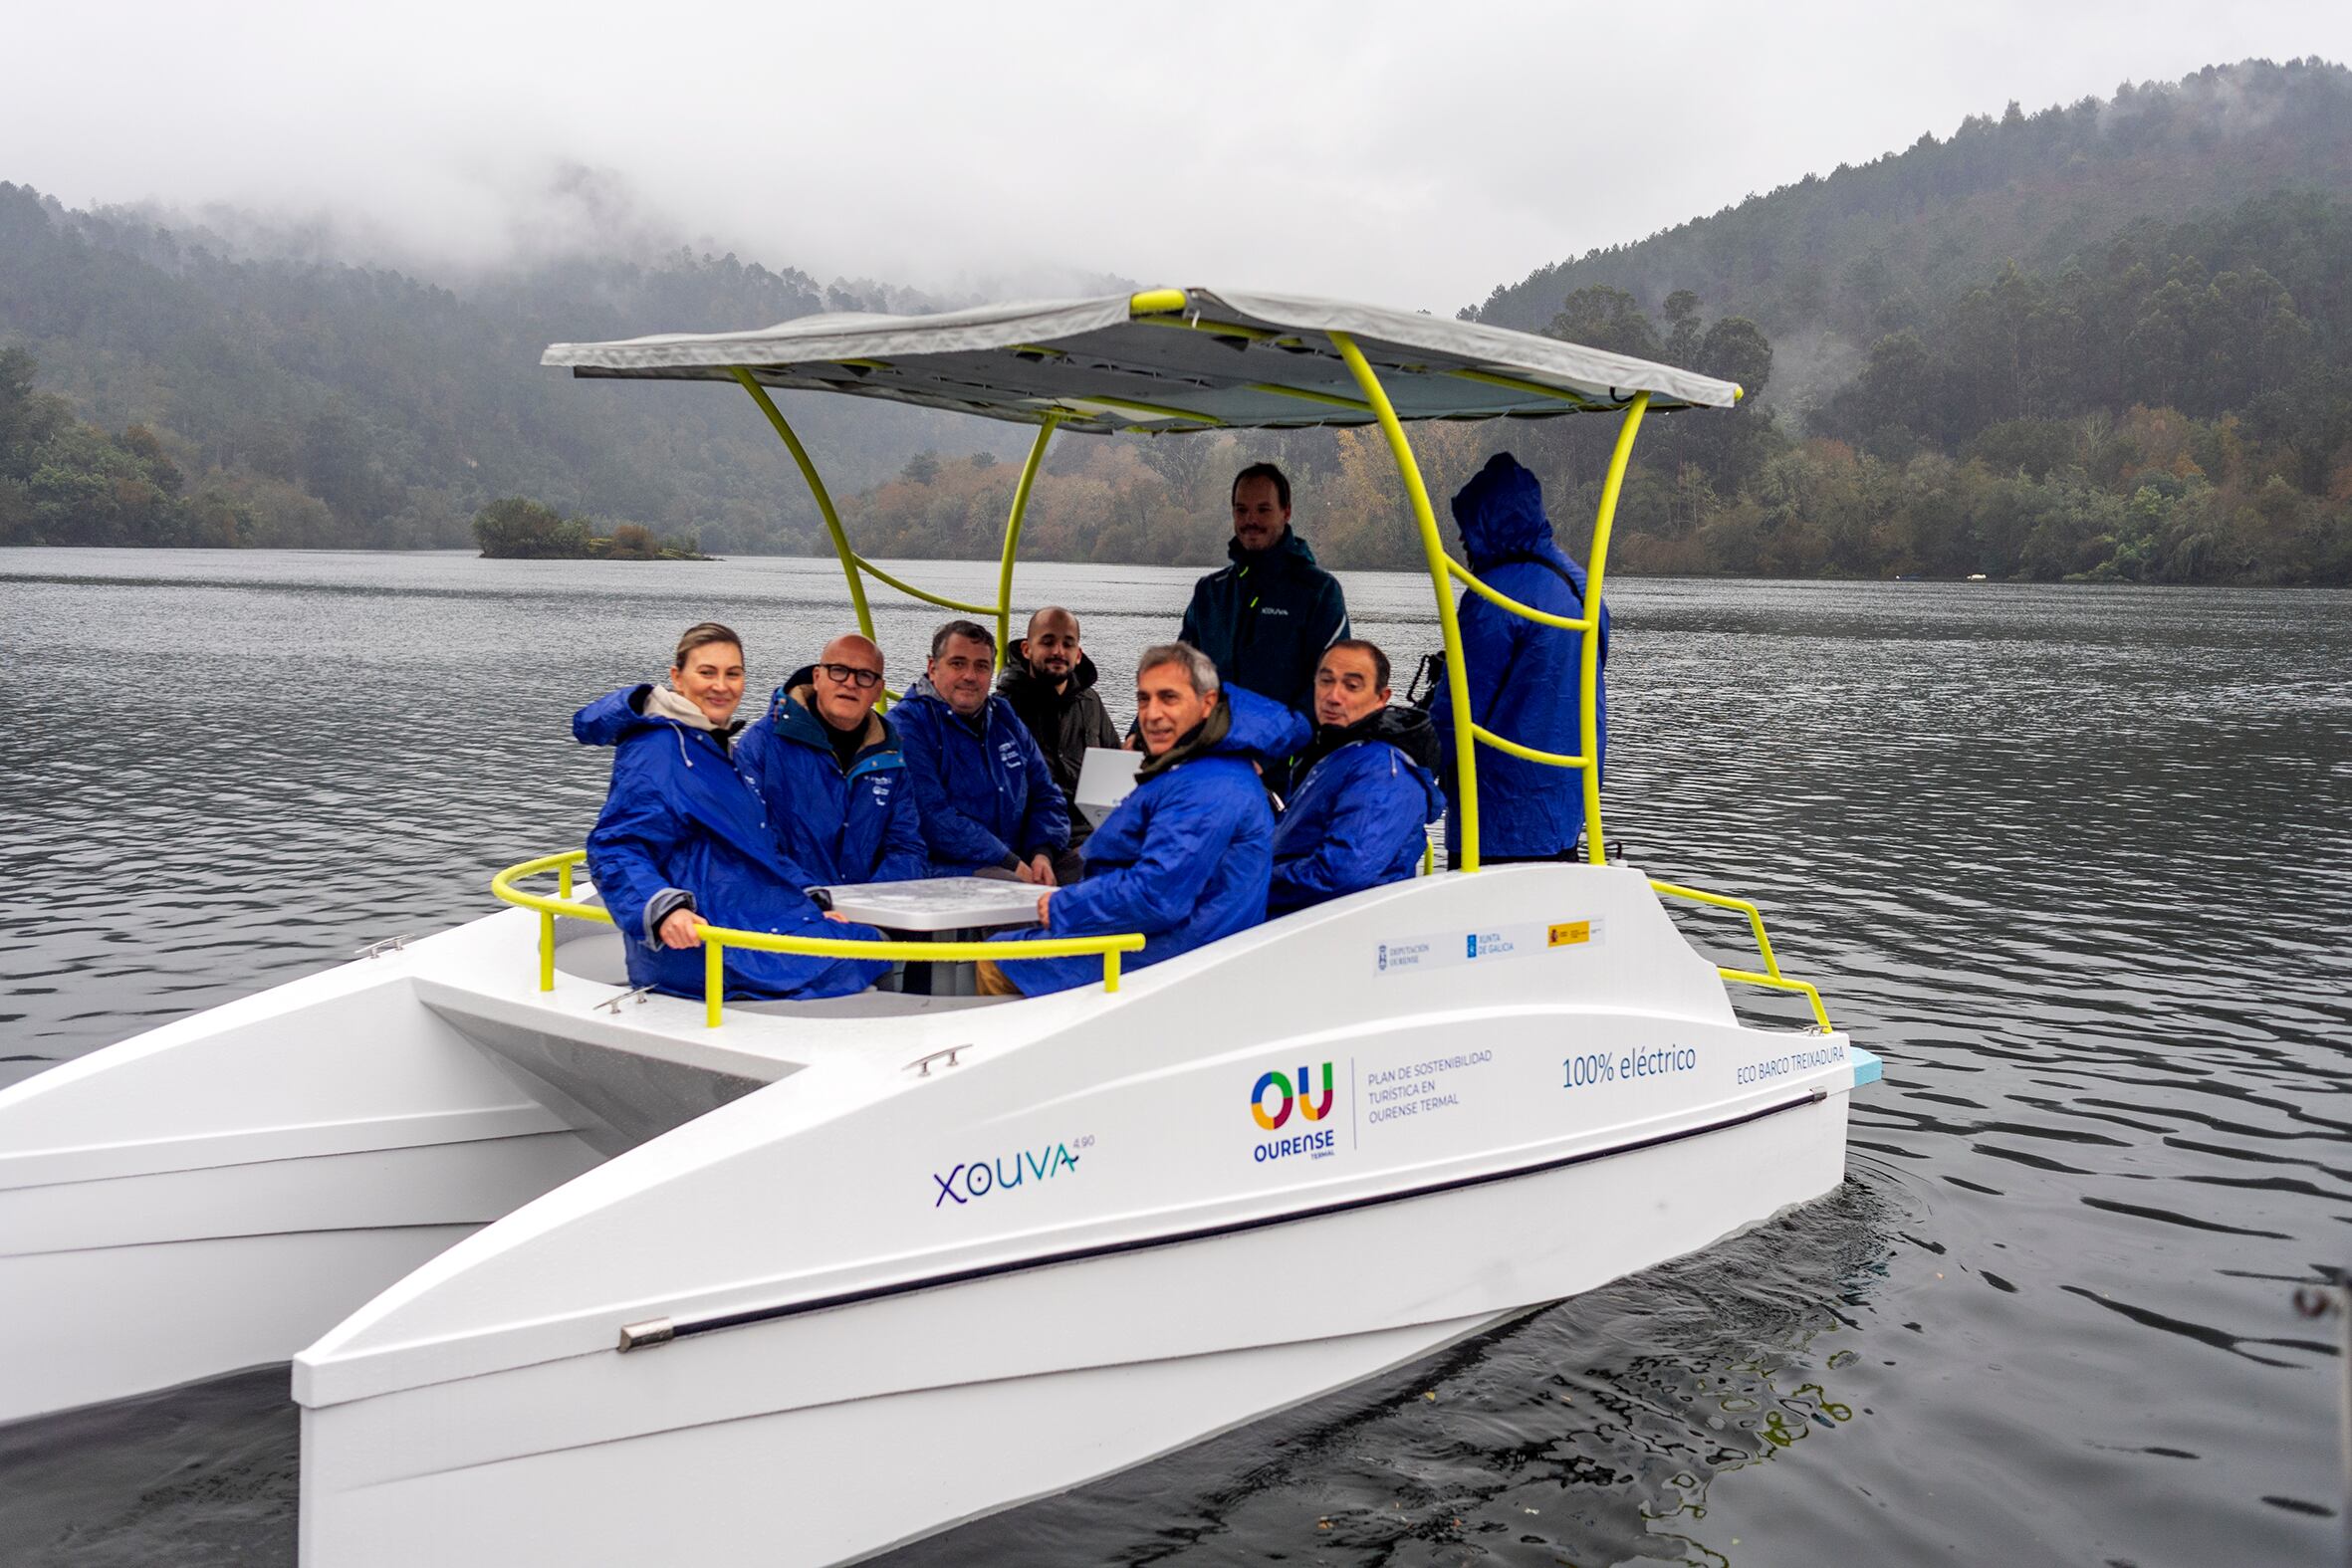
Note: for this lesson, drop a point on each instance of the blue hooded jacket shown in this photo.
(983, 793)
(1184, 860)
(1522, 676)
(839, 824)
(681, 828)
(1359, 817)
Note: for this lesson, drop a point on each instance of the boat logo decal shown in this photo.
(1001, 1174)
(1314, 1109)
(1444, 949)
(1288, 1096)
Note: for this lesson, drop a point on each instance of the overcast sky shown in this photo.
(1410, 155)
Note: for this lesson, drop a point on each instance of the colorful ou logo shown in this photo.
(1314, 1109)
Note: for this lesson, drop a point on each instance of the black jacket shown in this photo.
(1063, 723)
(1265, 620)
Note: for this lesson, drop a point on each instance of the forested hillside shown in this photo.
(310, 404)
(2111, 340)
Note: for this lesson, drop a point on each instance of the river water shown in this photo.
(2072, 860)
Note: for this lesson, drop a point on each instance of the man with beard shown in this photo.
(1267, 618)
(1358, 816)
(1050, 682)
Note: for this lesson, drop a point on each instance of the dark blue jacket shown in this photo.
(839, 824)
(1185, 859)
(1522, 676)
(681, 821)
(1265, 620)
(1358, 818)
(983, 792)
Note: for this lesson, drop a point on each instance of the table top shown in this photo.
(943, 903)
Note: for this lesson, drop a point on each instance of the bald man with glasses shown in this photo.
(831, 773)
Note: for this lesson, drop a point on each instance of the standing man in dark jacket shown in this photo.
(1360, 815)
(1050, 682)
(1266, 620)
(832, 774)
(1524, 676)
(986, 800)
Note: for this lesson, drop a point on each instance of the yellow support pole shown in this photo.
(714, 976)
(1488, 737)
(1470, 581)
(1011, 551)
(1110, 968)
(1433, 546)
(1588, 672)
(546, 941)
(913, 592)
(824, 506)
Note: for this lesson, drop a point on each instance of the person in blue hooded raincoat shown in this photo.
(1360, 815)
(984, 793)
(1524, 676)
(1186, 858)
(832, 774)
(684, 841)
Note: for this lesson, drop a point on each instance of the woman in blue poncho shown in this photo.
(684, 840)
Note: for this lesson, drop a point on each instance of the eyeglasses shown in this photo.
(851, 675)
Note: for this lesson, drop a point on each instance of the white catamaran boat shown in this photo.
(574, 1274)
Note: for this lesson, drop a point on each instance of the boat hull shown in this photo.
(836, 1433)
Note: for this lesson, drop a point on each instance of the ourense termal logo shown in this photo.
(1301, 1097)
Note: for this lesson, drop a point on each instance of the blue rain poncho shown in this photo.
(682, 828)
(839, 824)
(1183, 860)
(984, 794)
(1359, 817)
(1522, 676)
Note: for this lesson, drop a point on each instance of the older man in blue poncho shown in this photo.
(1524, 676)
(684, 841)
(1186, 858)
(831, 773)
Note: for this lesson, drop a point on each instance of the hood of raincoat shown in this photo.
(1243, 724)
(611, 719)
(1501, 517)
(792, 710)
(1405, 728)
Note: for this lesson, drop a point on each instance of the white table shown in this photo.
(946, 908)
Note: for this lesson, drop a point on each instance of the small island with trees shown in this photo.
(513, 528)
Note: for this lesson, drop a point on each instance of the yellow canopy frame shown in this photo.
(1166, 307)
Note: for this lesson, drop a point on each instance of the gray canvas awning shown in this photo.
(1164, 359)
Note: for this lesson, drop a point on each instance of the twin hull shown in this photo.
(877, 1292)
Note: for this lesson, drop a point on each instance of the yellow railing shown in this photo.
(717, 939)
(1771, 976)
(853, 565)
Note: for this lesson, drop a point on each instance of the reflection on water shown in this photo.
(2071, 860)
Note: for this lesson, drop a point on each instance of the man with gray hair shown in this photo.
(1188, 856)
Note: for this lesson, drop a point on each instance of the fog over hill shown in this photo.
(1831, 262)
(2105, 340)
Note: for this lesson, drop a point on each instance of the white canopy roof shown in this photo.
(1164, 359)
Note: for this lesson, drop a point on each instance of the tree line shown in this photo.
(2164, 410)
